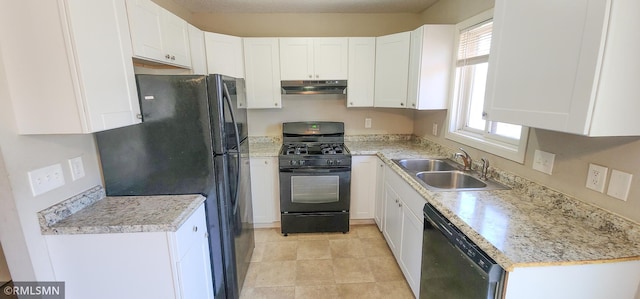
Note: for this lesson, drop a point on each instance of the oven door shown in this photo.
(315, 190)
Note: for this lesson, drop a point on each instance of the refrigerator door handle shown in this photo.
(227, 97)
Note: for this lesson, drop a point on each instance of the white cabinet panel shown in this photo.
(392, 220)
(430, 64)
(265, 190)
(379, 204)
(224, 54)
(198, 52)
(362, 63)
(85, 84)
(392, 70)
(262, 71)
(158, 35)
(572, 73)
(411, 255)
(363, 171)
(323, 58)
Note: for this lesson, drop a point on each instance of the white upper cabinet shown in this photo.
(569, 66)
(198, 52)
(262, 72)
(322, 58)
(157, 34)
(431, 55)
(362, 65)
(392, 70)
(224, 54)
(68, 65)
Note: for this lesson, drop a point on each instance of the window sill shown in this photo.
(508, 151)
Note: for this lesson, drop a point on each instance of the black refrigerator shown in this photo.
(193, 139)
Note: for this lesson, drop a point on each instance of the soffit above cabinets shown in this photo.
(307, 6)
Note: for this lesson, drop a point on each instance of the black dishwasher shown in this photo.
(453, 266)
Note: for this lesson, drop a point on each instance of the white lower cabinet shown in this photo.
(265, 190)
(363, 171)
(135, 265)
(403, 227)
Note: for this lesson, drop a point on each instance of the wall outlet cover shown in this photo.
(77, 168)
(543, 161)
(596, 177)
(367, 123)
(619, 184)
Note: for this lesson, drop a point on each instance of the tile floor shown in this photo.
(358, 264)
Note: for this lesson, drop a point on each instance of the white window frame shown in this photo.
(498, 145)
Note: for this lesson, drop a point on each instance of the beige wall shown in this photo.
(454, 11)
(24, 245)
(268, 122)
(313, 25)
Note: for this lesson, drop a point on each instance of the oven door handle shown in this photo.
(316, 170)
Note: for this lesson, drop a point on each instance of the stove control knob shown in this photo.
(338, 162)
(329, 162)
(292, 162)
(302, 162)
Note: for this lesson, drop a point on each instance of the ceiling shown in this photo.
(306, 6)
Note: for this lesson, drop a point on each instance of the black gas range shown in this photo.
(315, 178)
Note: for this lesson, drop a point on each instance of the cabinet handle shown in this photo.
(139, 116)
(413, 105)
(351, 103)
(266, 162)
(400, 204)
(401, 104)
(396, 200)
(240, 104)
(310, 76)
(195, 228)
(167, 56)
(484, 114)
(276, 104)
(317, 76)
(173, 57)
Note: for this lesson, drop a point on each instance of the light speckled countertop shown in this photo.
(93, 213)
(527, 226)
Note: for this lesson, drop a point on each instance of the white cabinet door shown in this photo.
(362, 64)
(411, 248)
(330, 56)
(379, 205)
(158, 35)
(84, 84)
(194, 269)
(265, 190)
(296, 61)
(363, 171)
(571, 73)
(313, 58)
(430, 65)
(198, 52)
(262, 72)
(224, 54)
(392, 70)
(392, 220)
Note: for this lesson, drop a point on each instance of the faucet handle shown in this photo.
(485, 168)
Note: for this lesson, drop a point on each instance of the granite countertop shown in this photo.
(94, 213)
(529, 225)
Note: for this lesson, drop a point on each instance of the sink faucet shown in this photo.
(466, 159)
(485, 168)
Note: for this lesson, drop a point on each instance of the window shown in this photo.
(466, 122)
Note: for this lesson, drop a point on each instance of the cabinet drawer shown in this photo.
(191, 231)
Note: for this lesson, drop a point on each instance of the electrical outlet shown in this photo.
(596, 177)
(45, 179)
(367, 123)
(543, 161)
(434, 129)
(77, 168)
(619, 184)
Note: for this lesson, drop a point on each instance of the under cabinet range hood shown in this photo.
(314, 87)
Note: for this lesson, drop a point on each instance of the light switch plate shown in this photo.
(367, 123)
(619, 184)
(45, 179)
(543, 161)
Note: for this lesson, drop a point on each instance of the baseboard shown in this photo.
(276, 224)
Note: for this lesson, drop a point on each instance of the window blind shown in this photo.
(475, 44)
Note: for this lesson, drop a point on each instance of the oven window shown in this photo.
(315, 189)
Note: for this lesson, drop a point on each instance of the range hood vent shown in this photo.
(314, 87)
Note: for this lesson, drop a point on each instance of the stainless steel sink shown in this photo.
(417, 165)
(450, 180)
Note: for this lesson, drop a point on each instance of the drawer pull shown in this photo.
(195, 228)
